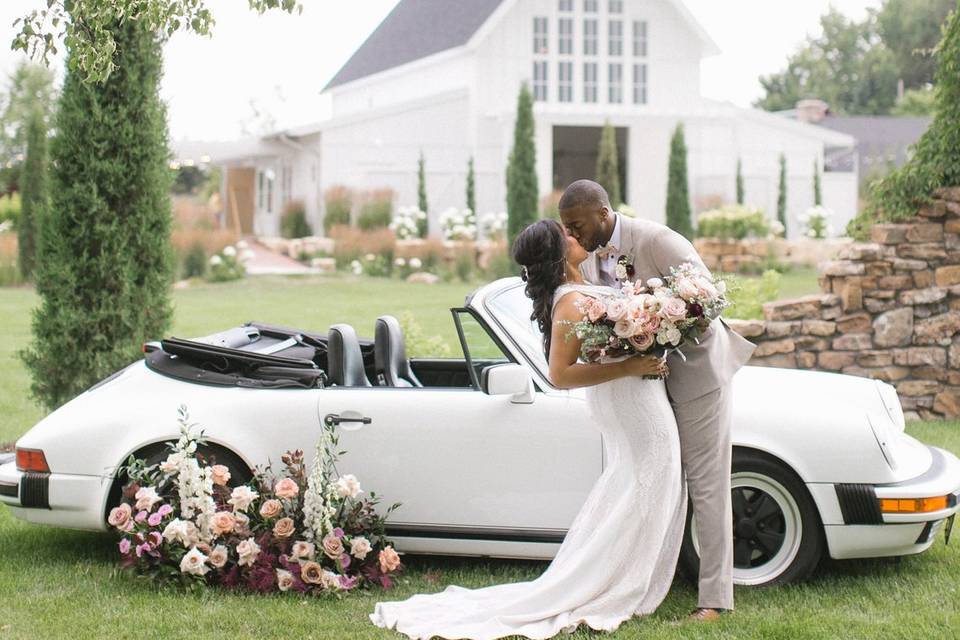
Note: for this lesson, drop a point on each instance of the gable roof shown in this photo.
(415, 29)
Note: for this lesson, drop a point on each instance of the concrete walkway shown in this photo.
(267, 262)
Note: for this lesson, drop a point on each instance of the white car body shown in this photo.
(497, 474)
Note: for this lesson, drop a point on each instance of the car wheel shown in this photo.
(157, 453)
(777, 535)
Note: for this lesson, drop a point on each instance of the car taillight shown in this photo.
(32, 460)
(918, 505)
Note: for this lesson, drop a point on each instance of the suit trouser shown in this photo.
(706, 452)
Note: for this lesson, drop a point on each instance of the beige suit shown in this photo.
(700, 394)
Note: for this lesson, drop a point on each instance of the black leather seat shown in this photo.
(344, 359)
(390, 355)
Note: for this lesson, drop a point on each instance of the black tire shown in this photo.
(758, 560)
(156, 453)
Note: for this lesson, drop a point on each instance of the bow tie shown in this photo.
(607, 251)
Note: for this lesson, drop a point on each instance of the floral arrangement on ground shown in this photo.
(297, 530)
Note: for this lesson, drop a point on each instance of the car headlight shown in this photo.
(891, 402)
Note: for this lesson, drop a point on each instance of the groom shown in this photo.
(628, 249)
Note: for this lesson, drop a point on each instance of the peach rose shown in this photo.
(218, 557)
(120, 516)
(247, 551)
(674, 309)
(220, 474)
(642, 341)
(311, 572)
(302, 549)
(360, 547)
(222, 522)
(271, 508)
(624, 328)
(285, 580)
(332, 546)
(389, 560)
(706, 288)
(687, 288)
(596, 310)
(283, 528)
(286, 488)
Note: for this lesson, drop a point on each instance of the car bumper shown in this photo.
(865, 532)
(57, 499)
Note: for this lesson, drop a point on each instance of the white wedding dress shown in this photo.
(618, 557)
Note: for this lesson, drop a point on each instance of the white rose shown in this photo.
(194, 563)
(348, 485)
(146, 497)
(182, 531)
(247, 551)
(653, 283)
(360, 547)
(241, 497)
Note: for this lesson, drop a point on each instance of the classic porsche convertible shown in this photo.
(487, 457)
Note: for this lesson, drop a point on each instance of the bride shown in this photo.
(618, 557)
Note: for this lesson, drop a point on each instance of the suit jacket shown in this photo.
(653, 248)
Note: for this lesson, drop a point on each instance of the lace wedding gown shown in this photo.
(618, 557)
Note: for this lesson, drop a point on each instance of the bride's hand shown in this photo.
(647, 366)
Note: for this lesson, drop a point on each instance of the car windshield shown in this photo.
(512, 309)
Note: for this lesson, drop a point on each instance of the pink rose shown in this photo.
(125, 546)
(218, 557)
(222, 522)
(286, 488)
(220, 474)
(154, 519)
(332, 546)
(642, 341)
(247, 552)
(285, 580)
(271, 508)
(706, 288)
(596, 310)
(155, 538)
(389, 560)
(674, 310)
(650, 324)
(140, 517)
(617, 309)
(165, 510)
(119, 516)
(624, 328)
(302, 549)
(687, 288)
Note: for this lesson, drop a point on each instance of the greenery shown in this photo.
(817, 191)
(733, 222)
(104, 259)
(195, 261)
(522, 189)
(915, 102)
(89, 28)
(608, 171)
(30, 91)
(935, 161)
(10, 206)
(293, 223)
(422, 195)
(678, 197)
(471, 187)
(376, 211)
(33, 190)
(338, 202)
(855, 66)
(740, 190)
(747, 295)
(419, 343)
(782, 195)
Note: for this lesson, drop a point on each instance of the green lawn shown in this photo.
(58, 583)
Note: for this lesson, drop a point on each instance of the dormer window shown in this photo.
(540, 35)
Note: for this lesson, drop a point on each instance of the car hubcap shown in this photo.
(766, 528)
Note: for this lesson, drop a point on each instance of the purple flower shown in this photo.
(125, 546)
(143, 548)
(165, 510)
(140, 517)
(154, 519)
(338, 532)
(349, 582)
(345, 561)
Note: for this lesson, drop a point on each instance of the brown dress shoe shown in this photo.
(704, 615)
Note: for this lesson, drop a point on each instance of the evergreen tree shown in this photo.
(33, 189)
(782, 195)
(422, 223)
(678, 196)
(522, 189)
(740, 193)
(104, 261)
(608, 171)
(471, 188)
(817, 193)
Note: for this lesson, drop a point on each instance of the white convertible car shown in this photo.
(487, 457)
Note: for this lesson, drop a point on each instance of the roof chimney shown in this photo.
(812, 110)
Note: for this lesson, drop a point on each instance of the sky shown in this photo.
(275, 65)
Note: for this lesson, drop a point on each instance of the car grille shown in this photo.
(859, 504)
(35, 490)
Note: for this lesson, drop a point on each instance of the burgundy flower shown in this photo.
(631, 271)
(695, 310)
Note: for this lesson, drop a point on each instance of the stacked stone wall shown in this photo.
(889, 309)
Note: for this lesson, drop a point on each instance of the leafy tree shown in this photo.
(678, 196)
(522, 188)
(608, 170)
(848, 66)
(910, 29)
(104, 261)
(915, 102)
(817, 192)
(740, 190)
(782, 195)
(33, 191)
(30, 90)
(471, 187)
(422, 223)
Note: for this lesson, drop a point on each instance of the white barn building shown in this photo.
(442, 77)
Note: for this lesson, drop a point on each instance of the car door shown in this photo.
(459, 458)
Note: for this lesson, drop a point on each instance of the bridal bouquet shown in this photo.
(652, 318)
(298, 530)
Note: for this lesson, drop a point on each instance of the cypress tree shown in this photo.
(522, 189)
(104, 259)
(608, 170)
(782, 195)
(33, 190)
(471, 188)
(678, 196)
(817, 193)
(740, 190)
(422, 223)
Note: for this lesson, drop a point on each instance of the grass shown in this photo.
(60, 583)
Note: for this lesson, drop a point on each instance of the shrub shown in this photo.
(195, 261)
(493, 226)
(408, 223)
(418, 343)
(499, 265)
(458, 225)
(782, 193)
(376, 211)
(550, 205)
(226, 266)
(816, 222)
(352, 244)
(338, 201)
(465, 264)
(747, 295)
(10, 209)
(608, 172)
(733, 222)
(678, 195)
(294, 223)
(33, 185)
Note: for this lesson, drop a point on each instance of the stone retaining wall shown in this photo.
(889, 309)
(752, 254)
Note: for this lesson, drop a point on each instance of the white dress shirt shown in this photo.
(608, 265)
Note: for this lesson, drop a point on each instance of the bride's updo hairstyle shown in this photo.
(540, 250)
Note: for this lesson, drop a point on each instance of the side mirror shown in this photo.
(508, 380)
